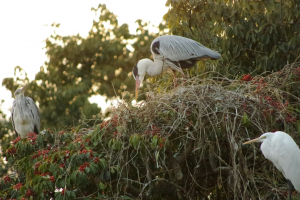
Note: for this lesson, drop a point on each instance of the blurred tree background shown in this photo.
(5, 138)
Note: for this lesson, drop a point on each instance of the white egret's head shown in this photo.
(20, 92)
(139, 71)
(262, 138)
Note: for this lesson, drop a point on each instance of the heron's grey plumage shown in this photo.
(25, 115)
(177, 48)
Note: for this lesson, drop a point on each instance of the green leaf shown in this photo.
(117, 145)
(135, 141)
(245, 120)
(112, 170)
(72, 194)
(60, 183)
(110, 143)
(103, 162)
(102, 186)
(154, 142)
(71, 147)
(73, 176)
(68, 193)
(87, 170)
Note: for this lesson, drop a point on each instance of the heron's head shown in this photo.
(20, 92)
(262, 138)
(139, 71)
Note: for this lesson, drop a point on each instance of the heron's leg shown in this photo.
(183, 75)
(290, 189)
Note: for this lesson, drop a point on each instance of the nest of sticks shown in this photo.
(187, 142)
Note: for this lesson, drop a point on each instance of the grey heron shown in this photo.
(24, 114)
(283, 152)
(171, 52)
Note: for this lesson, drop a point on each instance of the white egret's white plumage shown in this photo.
(283, 152)
(171, 52)
(25, 115)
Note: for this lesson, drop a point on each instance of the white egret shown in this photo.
(283, 152)
(171, 52)
(25, 115)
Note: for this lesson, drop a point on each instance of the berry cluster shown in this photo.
(82, 167)
(32, 138)
(14, 142)
(247, 77)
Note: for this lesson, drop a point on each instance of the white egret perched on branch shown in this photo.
(281, 149)
(25, 115)
(171, 52)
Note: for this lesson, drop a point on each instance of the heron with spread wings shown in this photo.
(25, 114)
(171, 52)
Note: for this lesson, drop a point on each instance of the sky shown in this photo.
(25, 24)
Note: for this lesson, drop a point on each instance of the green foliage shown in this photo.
(5, 138)
(252, 36)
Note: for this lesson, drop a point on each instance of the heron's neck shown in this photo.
(20, 99)
(154, 68)
(21, 104)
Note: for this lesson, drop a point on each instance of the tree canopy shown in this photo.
(252, 36)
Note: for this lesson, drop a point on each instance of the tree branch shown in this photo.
(135, 192)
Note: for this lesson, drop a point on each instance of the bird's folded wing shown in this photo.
(12, 116)
(35, 113)
(178, 48)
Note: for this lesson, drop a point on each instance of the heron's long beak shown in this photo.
(24, 88)
(137, 86)
(254, 140)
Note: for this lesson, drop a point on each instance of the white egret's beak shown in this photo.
(254, 140)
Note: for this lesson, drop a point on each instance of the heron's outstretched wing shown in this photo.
(12, 117)
(177, 48)
(35, 114)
